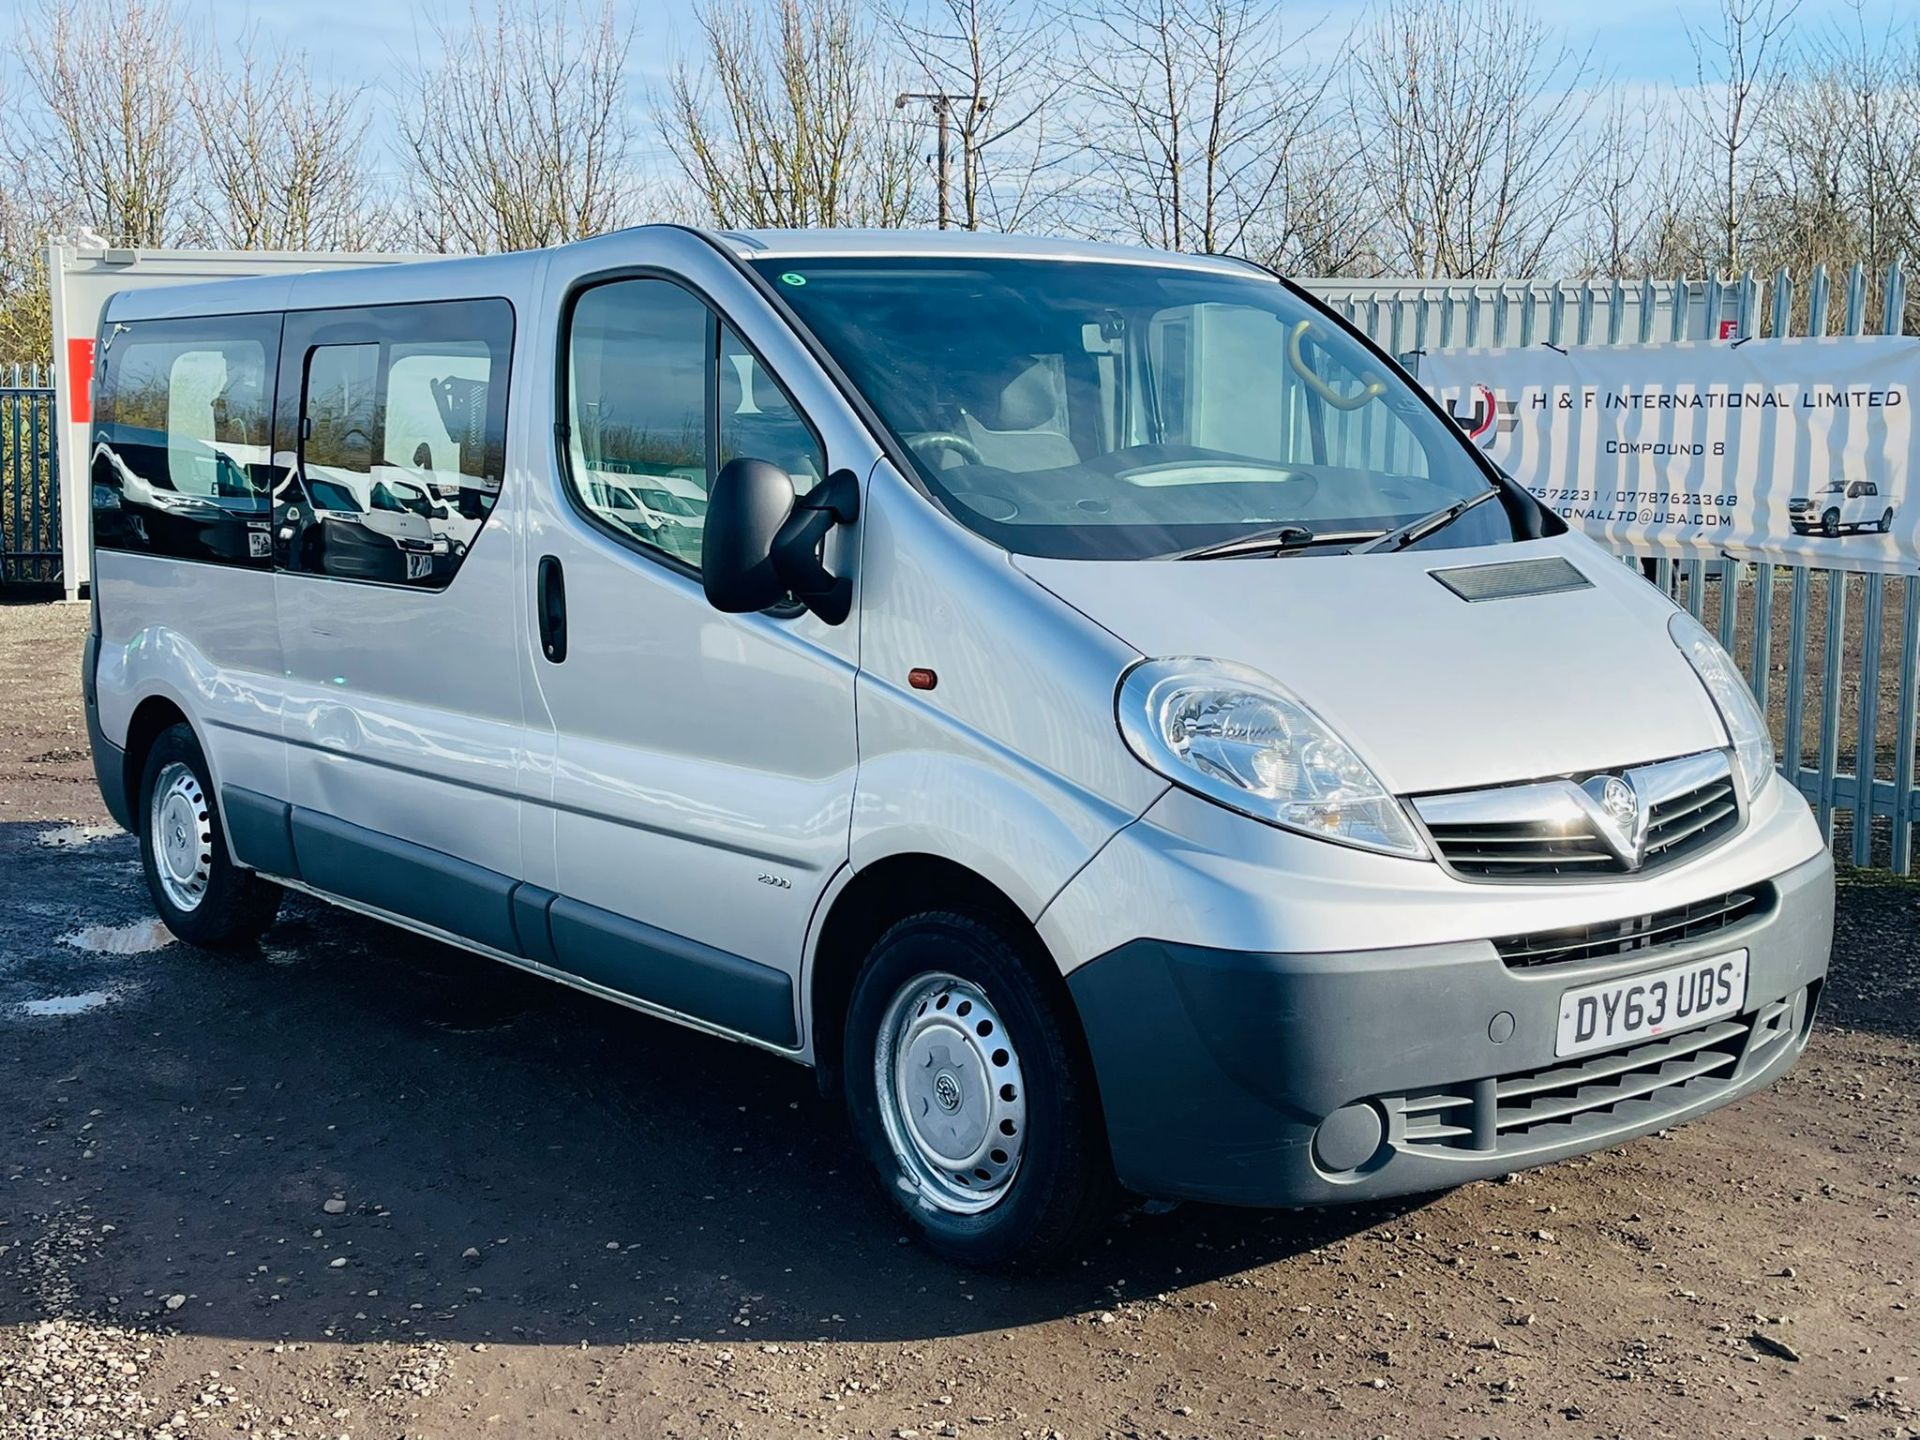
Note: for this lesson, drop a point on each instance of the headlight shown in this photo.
(1245, 741)
(1746, 726)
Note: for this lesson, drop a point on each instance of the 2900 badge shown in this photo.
(1640, 1007)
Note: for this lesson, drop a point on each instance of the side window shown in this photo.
(181, 460)
(340, 413)
(637, 412)
(402, 434)
(660, 395)
(758, 421)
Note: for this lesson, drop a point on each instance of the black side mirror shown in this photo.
(759, 545)
(751, 500)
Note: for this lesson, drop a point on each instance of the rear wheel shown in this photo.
(203, 897)
(971, 1095)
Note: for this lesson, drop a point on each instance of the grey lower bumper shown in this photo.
(1262, 1079)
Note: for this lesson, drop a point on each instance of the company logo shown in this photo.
(946, 1090)
(1486, 418)
(1619, 815)
(1619, 801)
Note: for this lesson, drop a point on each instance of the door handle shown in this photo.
(552, 605)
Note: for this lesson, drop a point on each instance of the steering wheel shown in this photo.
(945, 440)
(1372, 388)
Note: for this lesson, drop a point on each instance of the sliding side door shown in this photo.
(397, 599)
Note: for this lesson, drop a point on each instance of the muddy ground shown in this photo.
(363, 1185)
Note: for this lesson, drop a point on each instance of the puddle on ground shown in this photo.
(73, 837)
(139, 938)
(67, 1004)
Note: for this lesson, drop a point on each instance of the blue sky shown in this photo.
(1634, 43)
(1638, 41)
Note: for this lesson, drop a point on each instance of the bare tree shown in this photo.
(1194, 111)
(1739, 75)
(1637, 215)
(791, 121)
(1467, 116)
(285, 158)
(26, 329)
(109, 144)
(519, 135)
(1834, 170)
(989, 76)
(1321, 221)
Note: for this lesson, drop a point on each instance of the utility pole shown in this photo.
(942, 104)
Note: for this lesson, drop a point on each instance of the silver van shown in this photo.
(1085, 702)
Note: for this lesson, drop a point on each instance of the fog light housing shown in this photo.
(1349, 1137)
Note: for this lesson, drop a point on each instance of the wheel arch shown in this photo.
(151, 719)
(878, 897)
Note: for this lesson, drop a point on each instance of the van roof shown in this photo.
(776, 244)
(461, 277)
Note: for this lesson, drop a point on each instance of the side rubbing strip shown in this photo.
(1512, 578)
(406, 879)
(530, 905)
(672, 971)
(512, 917)
(258, 831)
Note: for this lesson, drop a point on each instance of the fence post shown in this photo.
(1866, 745)
(1817, 302)
(1797, 673)
(1830, 695)
(1904, 736)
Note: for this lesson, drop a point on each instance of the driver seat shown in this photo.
(1018, 426)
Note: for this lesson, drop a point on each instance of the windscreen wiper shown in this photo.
(1418, 530)
(1276, 540)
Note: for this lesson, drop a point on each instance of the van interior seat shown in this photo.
(1017, 426)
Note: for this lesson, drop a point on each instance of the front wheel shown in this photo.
(1886, 521)
(1830, 523)
(203, 897)
(972, 1096)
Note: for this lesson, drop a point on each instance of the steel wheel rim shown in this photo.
(952, 1096)
(182, 829)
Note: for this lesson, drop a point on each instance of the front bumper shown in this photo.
(1302, 1079)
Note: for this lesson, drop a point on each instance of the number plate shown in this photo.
(1642, 1007)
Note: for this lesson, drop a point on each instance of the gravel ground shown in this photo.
(362, 1185)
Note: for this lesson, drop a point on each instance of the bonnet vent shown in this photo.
(1511, 578)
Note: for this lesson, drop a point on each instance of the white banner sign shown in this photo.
(1768, 449)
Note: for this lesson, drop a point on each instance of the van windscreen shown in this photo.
(1091, 410)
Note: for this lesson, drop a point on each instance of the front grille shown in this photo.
(1594, 1095)
(1552, 829)
(1611, 939)
(1524, 850)
(1694, 820)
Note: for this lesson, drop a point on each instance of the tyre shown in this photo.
(1830, 523)
(1886, 522)
(202, 896)
(970, 1091)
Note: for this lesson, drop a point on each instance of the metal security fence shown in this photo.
(29, 484)
(1832, 655)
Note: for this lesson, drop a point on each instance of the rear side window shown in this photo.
(181, 460)
(660, 394)
(401, 438)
